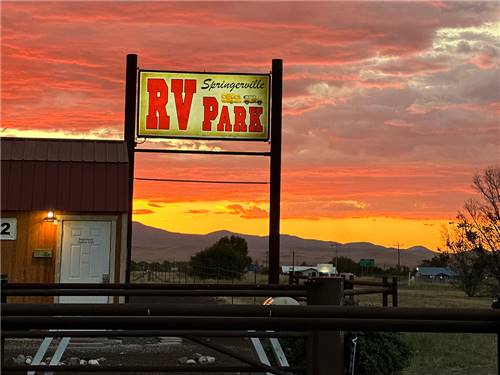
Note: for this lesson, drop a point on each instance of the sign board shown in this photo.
(8, 228)
(42, 253)
(367, 263)
(203, 105)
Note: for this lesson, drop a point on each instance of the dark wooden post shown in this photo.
(275, 171)
(384, 294)
(351, 278)
(325, 348)
(4, 281)
(129, 135)
(394, 292)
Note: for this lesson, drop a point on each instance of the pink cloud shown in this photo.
(389, 121)
(483, 61)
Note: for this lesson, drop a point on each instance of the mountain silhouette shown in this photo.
(156, 245)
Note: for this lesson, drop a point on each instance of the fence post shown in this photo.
(394, 292)
(326, 348)
(351, 278)
(4, 286)
(384, 294)
(4, 300)
(349, 286)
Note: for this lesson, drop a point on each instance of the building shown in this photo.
(439, 274)
(64, 207)
(310, 271)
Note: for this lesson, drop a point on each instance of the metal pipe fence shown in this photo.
(196, 321)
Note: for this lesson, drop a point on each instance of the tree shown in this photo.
(439, 260)
(346, 265)
(475, 238)
(227, 258)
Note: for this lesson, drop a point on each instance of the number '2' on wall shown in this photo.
(8, 228)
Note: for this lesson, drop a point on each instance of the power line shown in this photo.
(202, 181)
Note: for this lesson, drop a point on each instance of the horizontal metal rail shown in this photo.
(267, 311)
(351, 281)
(146, 286)
(201, 290)
(359, 291)
(203, 152)
(146, 369)
(248, 323)
(202, 181)
(153, 292)
(368, 283)
(150, 333)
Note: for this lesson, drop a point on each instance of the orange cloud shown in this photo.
(197, 211)
(142, 212)
(156, 205)
(253, 212)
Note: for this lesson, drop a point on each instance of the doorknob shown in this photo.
(105, 278)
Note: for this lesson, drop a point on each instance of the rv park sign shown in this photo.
(203, 105)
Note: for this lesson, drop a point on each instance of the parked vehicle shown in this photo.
(231, 98)
(252, 99)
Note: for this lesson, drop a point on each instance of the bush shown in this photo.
(378, 353)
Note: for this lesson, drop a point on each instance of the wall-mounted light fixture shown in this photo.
(50, 217)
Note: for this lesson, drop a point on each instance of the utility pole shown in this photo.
(337, 257)
(293, 260)
(399, 258)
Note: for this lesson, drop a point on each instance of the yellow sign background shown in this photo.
(235, 87)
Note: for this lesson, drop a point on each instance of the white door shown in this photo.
(85, 256)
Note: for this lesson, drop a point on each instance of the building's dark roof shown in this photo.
(66, 175)
(436, 271)
(32, 149)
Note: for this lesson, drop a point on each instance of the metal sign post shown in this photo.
(160, 105)
(275, 188)
(130, 108)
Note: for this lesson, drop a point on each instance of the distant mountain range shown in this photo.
(156, 245)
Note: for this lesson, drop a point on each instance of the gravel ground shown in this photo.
(135, 351)
(138, 351)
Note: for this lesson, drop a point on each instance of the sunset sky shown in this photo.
(389, 108)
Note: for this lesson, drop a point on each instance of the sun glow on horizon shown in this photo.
(246, 218)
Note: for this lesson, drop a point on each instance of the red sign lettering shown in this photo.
(210, 111)
(255, 124)
(158, 99)
(183, 107)
(224, 121)
(239, 119)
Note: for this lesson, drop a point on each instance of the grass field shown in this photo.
(440, 353)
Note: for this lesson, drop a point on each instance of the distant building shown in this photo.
(311, 271)
(437, 274)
